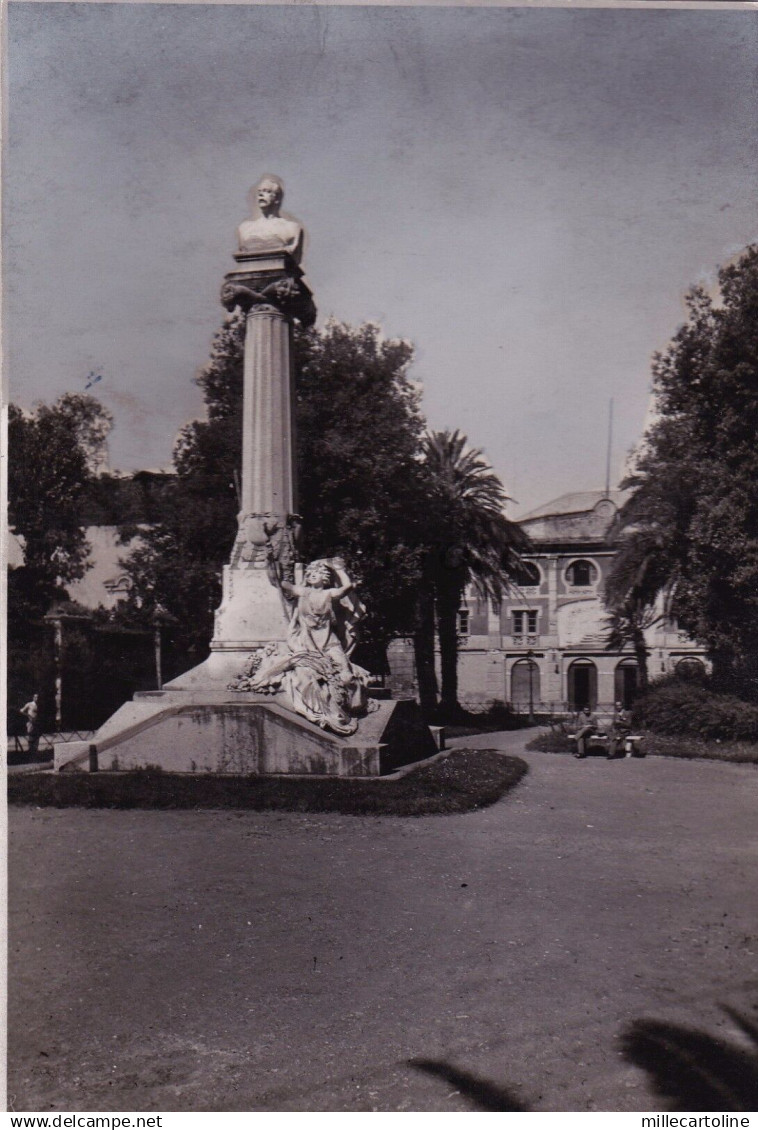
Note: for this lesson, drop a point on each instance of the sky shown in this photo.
(526, 194)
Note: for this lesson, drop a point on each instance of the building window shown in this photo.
(581, 574)
(463, 622)
(527, 575)
(119, 584)
(524, 625)
(524, 622)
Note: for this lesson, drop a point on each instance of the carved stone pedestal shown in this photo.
(206, 732)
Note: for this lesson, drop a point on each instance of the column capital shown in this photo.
(273, 281)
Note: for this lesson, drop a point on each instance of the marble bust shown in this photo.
(269, 231)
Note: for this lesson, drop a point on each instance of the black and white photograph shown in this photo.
(381, 396)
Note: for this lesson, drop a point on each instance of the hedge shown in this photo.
(685, 708)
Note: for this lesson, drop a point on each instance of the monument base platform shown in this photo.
(241, 734)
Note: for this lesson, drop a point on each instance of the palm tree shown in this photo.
(626, 623)
(639, 579)
(472, 542)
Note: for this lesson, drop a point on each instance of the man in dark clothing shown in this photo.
(586, 725)
(621, 727)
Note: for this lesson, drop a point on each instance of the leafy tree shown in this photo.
(90, 422)
(112, 500)
(48, 472)
(468, 541)
(363, 487)
(693, 515)
(48, 475)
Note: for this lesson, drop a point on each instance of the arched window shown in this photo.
(690, 668)
(527, 575)
(581, 574)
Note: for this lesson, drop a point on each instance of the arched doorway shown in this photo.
(625, 682)
(582, 684)
(520, 690)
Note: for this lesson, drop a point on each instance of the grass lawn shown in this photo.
(457, 782)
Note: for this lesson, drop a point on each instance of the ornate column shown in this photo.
(268, 471)
(268, 286)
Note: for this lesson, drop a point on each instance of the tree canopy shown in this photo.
(50, 451)
(360, 475)
(363, 487)
(690, 526)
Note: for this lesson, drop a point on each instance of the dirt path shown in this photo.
(255, 961)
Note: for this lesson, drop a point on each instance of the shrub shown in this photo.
(691, 708)
(460, 781)
(688, 748)
(552, 741)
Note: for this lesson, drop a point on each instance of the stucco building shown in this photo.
(546, 643)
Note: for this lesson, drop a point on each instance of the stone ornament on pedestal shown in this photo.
(268, 230)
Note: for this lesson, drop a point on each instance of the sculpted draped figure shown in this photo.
(314, 667)
(269, 231)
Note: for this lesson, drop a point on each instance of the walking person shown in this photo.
(30, 710)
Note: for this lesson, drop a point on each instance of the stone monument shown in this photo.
(279, 692)
(267, 285)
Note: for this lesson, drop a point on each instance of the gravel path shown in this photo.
(262, 961)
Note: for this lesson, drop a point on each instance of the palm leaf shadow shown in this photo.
(482, 1093)
(690, 1069)
(693, 1070)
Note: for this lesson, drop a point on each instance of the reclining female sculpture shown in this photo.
(313, 668)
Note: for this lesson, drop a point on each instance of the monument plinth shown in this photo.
(279, 692)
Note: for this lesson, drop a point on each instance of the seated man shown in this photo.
(621, 727)
(586, 725)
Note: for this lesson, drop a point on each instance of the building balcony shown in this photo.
(525, 641)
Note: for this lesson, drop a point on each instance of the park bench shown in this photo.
(600, 740)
